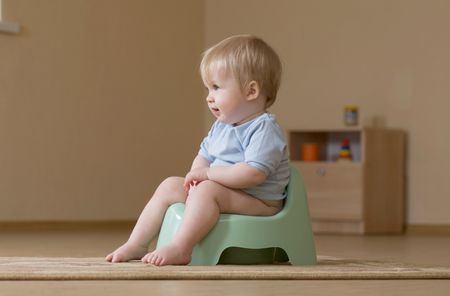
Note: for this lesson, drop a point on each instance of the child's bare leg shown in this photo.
(170, 191)
(203, 208)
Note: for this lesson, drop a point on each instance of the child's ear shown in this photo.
(252, 90)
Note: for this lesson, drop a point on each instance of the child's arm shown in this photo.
(199, 162)
(239, 175)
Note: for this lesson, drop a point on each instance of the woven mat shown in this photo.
(34, 268)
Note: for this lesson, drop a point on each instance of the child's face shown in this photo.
(226, 100)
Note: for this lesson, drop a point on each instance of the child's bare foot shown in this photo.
(126, 252)
(172, 254)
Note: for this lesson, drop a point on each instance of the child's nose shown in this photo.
(209, 99)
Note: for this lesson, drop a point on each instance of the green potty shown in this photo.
(241, 239)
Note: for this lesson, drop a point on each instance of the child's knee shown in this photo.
(171, 190)
(206, 189)
(208, 185)
(172, 183)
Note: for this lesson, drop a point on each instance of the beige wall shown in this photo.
(389, 57)
(99, 101)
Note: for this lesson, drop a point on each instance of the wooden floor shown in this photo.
(419, 249)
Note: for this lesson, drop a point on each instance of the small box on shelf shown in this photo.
(9, 27)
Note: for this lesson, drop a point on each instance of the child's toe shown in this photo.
(159, 261)
(145, 258)
(153, 259)
(148, 258)
(155, 262)
(116, 258)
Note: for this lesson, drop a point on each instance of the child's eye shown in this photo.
(215, 87)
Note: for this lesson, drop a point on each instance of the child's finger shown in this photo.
(186, 182)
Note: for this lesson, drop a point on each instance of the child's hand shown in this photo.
(194, 177)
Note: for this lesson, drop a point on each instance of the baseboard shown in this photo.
(337, 227)
(67, 225)
(129, 224)
(428, 229)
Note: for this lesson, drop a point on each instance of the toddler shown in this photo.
(242, 166)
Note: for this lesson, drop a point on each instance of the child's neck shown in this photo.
(250, 117)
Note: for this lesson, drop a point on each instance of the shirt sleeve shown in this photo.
(204, 146)
(266, 147)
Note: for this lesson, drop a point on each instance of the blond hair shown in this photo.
(248, 58)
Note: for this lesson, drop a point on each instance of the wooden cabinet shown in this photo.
(364, 195)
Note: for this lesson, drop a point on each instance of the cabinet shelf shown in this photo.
(365, 195)
(329, 143)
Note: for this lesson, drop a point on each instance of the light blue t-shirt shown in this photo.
(260, 143)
